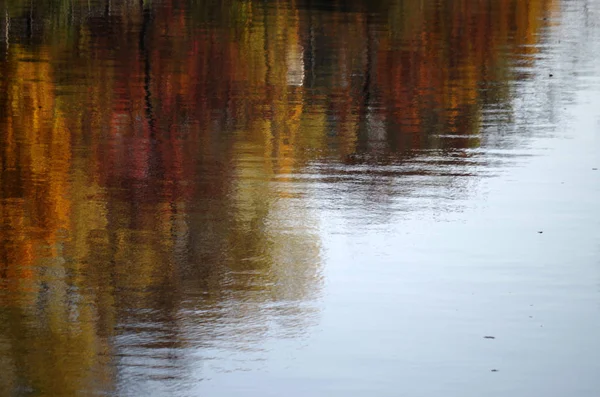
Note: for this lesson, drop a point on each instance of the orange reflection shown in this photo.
(149, 151)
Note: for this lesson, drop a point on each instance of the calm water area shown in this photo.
(300, 198)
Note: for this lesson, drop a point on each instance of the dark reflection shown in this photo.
(160, 162)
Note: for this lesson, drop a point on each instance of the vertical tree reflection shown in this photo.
(149, 154)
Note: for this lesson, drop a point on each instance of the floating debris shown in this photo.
(489, 337)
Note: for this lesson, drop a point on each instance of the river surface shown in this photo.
(300, 198)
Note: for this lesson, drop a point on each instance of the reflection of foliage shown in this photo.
(137, 163)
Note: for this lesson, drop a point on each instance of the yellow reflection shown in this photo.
(141, 172)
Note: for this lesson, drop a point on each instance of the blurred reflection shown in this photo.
(158, 161)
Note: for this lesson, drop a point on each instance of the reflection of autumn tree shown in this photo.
(121, 225)
(148, 153)
(430, 79)
(36, 211)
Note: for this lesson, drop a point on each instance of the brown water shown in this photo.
(300, 198)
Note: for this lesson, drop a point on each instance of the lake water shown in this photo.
(300, 198)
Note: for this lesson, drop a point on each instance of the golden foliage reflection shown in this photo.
(148, 157)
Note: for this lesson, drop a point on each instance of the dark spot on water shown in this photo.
(489, 337)
(551, 75)
(594, 169)
(494, 370)
(540, 231)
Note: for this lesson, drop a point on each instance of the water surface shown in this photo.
(309, 198)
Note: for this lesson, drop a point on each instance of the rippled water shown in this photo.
(303, 198)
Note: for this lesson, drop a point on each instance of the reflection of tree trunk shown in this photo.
(30, 20)
(144, 48)
(309, 53)
(145, 54)
(363, 106)
(269, 72)
(6, 27)
(366, 91)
